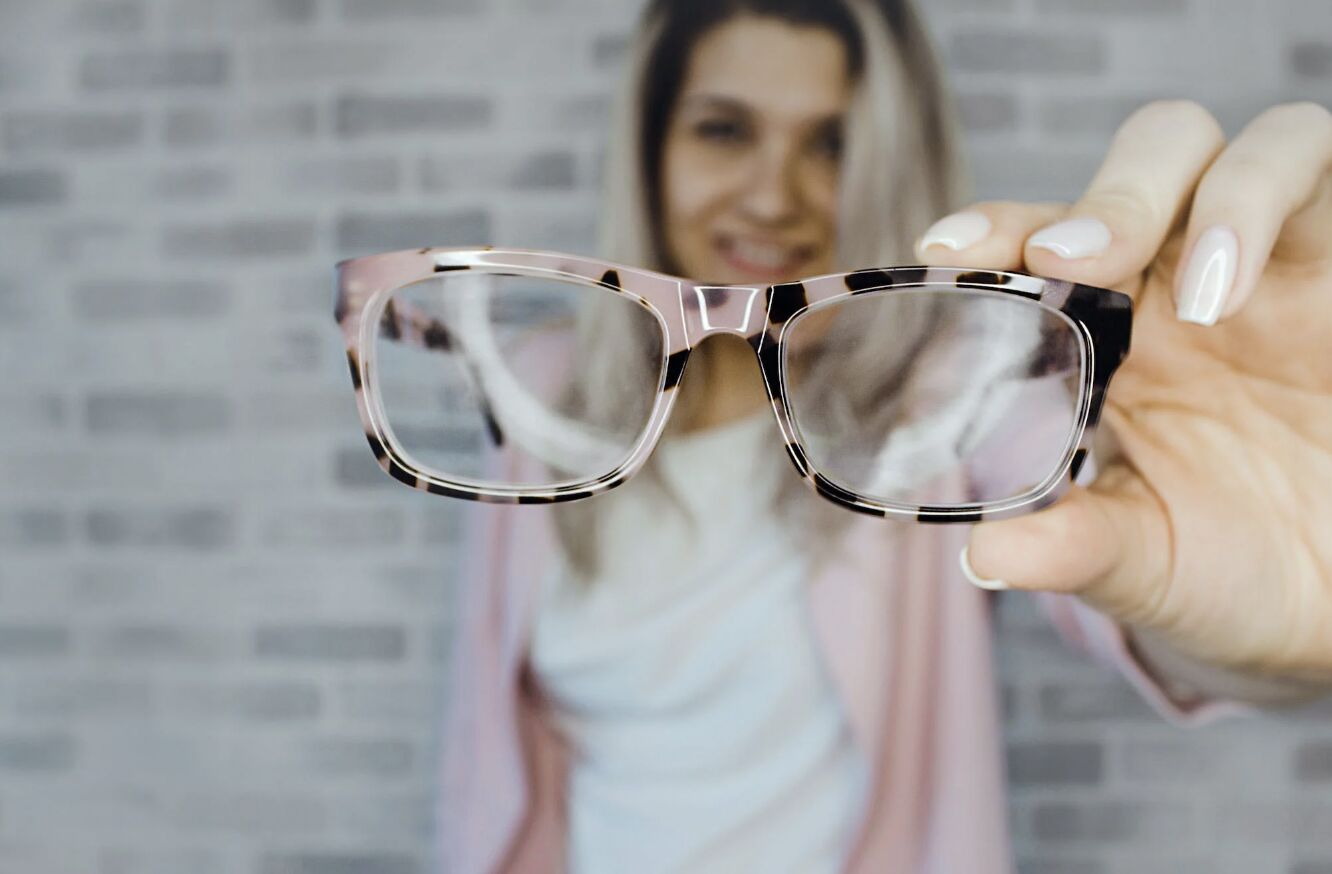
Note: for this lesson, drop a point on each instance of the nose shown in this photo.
(771, 195)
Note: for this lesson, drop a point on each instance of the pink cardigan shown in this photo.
(912, 664)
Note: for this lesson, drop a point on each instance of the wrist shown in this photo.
(1190, 680)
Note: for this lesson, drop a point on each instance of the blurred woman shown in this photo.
(790, 687)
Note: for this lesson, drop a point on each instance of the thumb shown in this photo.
(1109, 543)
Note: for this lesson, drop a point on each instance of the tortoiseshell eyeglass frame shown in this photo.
(688, 312)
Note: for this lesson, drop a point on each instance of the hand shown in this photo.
(1211, 520)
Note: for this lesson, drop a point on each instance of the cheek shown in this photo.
(692, 189)
(821, 189)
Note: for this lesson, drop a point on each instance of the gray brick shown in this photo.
(292, 350)
(147, 69)
(36, 752)
(1285, 822)
(248, 813)
(392, 703)
(328, 409)
(365, 757)
(116, 17)
(364, 115)
(348, 862)
(1112, 821)
(193, 126)
(1158, 761)
(159, 642)
(22, 75)
(334, 528)
(268, 701)
(40, 413)
(364, 233)
(355, 175)
(387, 820)
(31, 187)
(155, 860)
(1096, 115)
(81, 698)
(192, 183)
(194, 528)
(550, 169)
(42, 132)
(1053, 763)
(556, 112)
(33, 641)
(608, 50)
(378, 10)
(17, 302)
(1094, 702)
(354, 467)
(1311, 59)
(163, 414)
(443, 525)
(239, 238)
(1313, 762)
(1046, 865)
(559, 228)
(996, 50)
(100, 300)
(1128, 9)
(33, 526)
(1312, 866)
(331, 642)
(989, 112)
(239, 15)
(351, 61)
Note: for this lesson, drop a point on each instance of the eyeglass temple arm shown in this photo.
(426, 332)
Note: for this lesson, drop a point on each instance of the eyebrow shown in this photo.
(721, 101)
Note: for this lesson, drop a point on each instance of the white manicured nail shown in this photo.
(1074, 238)
(956, 231)
(993, 585)
(1209, 276)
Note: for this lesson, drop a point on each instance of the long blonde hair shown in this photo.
(901, 169)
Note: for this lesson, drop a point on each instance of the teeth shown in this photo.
(767, 257)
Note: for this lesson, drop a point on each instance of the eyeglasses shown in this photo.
(525, 377)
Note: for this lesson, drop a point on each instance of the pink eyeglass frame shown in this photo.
(689, 312)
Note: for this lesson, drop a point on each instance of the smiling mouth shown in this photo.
(762, 259)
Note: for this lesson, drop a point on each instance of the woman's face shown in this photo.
(751, 157)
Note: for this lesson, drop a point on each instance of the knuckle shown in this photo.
(1240, 178)
(1130, 203)
(1177, 115)
(1299, 115)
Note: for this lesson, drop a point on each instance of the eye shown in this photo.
(828, 142)
(721, 130)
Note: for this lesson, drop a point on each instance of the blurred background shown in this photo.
(223, 629)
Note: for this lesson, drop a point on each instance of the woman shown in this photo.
(634, 697)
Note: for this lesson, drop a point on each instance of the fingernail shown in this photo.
(1209, 276)
(1074, 238)
(993, 585)
(956, 231)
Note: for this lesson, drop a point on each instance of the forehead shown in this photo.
(788, 71)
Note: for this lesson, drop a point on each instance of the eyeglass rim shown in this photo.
(1102, 316)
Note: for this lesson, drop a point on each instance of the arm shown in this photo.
(1184, 691)
(1190, 679)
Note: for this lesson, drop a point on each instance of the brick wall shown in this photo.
(222, 628)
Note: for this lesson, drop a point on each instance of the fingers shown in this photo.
(1136, 198)
(989, 235)
(1118, 226)
(1272, 181)
(1109, 544)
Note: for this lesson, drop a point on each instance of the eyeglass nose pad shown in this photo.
(722, 309)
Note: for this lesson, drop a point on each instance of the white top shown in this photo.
(706, 735)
